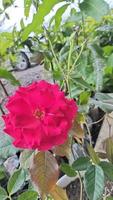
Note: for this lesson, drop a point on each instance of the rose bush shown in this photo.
(39, 117)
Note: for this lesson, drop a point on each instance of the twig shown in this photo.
(2, 111)
(4, 89)
(96, 122)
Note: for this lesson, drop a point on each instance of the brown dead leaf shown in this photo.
(58, 193)
(64, 149)
(77, 130)
(105, 133)
(109, 149)
(44, 172)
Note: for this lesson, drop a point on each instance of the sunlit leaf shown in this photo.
(27, 5)
(28, 195)
(8, 76)
(38, 19)
(58, 16)
(96, 9)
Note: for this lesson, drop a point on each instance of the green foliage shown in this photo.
(27, 5)
(6, 147)
(3, 194)
(93, 155)
(37, 22)
(25, 159)
(108, 169)
(81, 163)
(28, 195)
(96, 9)
(2, 173)
(94, 182)
(8, 75)
(7, 3)
(58, 16)
(67, 169)
(16, 181)
(79, 55)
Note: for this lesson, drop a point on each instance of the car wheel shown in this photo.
(23, 61)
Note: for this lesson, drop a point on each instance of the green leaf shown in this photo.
(81, 164)
(110, 61)
(93, 155)
(3, 194)
(2, 172)
(108, 169)
(68, 170)
(58, 16)
(8, 75)
(98, 64)
(103, 96)
(7, 3)
(27, 5)
(80, 81)
(25, 158)
(38, 19)
(96, 9)
(106, 106)
(28, 195)
(109, 198)
(16, 181)
(84, 97)
(94, 182)
(6, 147)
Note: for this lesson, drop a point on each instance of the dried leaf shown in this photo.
(58, 193)
(77, 130)
(64, 149)
(106, 132)
(109, 149)
(44, 172)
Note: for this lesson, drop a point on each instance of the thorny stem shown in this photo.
(69, 64)
(81, 186)
(89, 133)
(83, 26)
(4, 89)
(81, 50)
(80, 178)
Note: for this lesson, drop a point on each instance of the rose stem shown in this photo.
(4, 89)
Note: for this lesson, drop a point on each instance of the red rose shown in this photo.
(39, 117)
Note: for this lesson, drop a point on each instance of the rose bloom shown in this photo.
(39, 117)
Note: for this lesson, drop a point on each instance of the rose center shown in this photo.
(39, 114)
